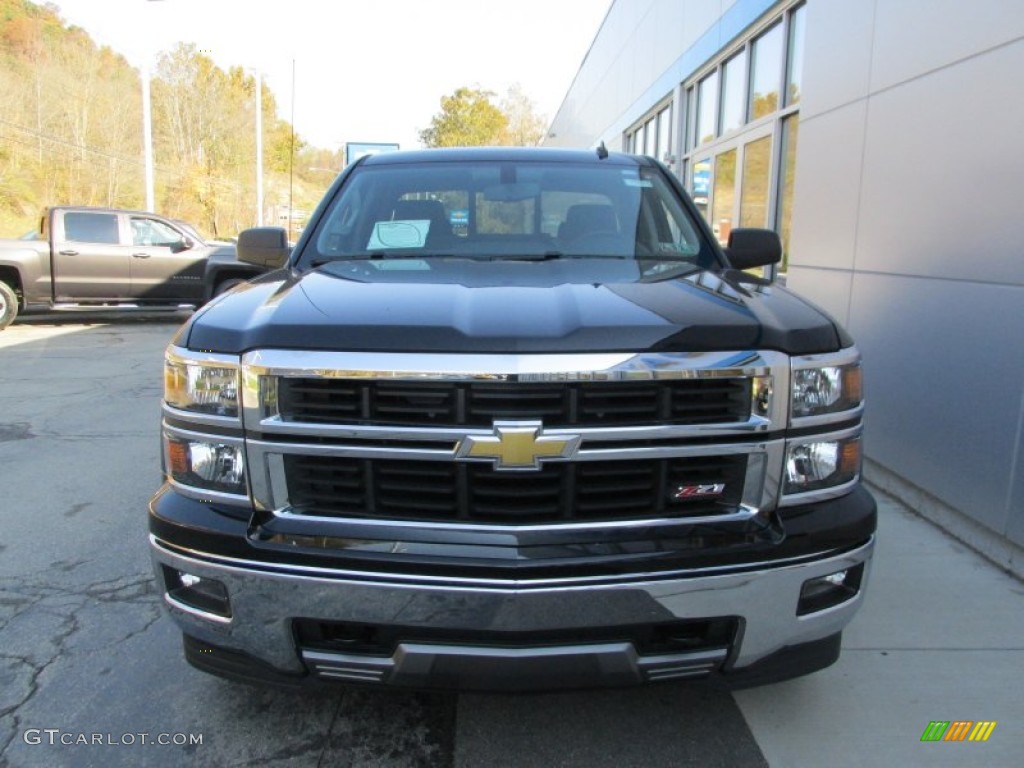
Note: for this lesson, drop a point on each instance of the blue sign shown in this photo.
(701, 179)
(354, 150)
(459, 217)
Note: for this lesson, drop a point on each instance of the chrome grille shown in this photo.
(579, 404)
(334, 486)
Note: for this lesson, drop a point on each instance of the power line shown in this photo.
(69, 144)
(223, 184)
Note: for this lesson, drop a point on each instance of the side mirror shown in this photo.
(182, 245)
(749, 248)
(263, 247)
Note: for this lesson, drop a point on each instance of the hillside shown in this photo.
(71, 131)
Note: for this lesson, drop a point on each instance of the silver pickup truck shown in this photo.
(102, 257)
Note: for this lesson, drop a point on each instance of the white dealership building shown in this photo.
(883, 140)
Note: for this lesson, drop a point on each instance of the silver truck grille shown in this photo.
(513, 439)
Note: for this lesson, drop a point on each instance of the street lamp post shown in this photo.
(147, 129)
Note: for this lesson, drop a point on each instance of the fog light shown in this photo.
(205, 595)
(826, 591)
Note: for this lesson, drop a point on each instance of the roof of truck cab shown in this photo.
(501, 154)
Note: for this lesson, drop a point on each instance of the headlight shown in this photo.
(211, 466)
(826, 389)
(821, 464)
(205, 385)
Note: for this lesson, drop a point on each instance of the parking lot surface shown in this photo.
(91, 671)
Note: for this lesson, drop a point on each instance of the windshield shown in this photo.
(507, 210)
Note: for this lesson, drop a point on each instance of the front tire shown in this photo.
(8, 305)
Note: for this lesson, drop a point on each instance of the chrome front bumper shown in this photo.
(264, 604)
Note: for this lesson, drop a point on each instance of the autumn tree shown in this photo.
(468, 118)
(525, 127)
(65, 135)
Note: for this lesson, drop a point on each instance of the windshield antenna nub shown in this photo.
(602, 152)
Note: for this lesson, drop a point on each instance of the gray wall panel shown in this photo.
(943, 177)
(831, 289)
(913, 37)
(837, 54)
(906, 221)
(944, 365)
(629, 68)
(830, 151)
(1015, 529)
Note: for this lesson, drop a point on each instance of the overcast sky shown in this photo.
(368, 70)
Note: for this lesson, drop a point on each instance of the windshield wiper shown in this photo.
(372, 255)
(546, 256)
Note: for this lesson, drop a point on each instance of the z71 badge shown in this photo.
(705, 491)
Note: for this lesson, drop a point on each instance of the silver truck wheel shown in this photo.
(8, 305)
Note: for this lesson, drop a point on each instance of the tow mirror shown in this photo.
(264, 247)
(749, 248)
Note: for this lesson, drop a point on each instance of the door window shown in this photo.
(153, 232)
(83, 227)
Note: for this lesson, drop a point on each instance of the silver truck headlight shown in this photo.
(211, 466)
(826, 384)
(816, 465)
(203, 383)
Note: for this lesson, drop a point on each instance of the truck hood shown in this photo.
(507, 307)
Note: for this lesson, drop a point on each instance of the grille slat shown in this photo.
(560, 491)
(581, 403)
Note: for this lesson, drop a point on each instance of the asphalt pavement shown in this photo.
(91, 671)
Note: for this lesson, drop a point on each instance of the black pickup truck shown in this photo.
(87, 258)
(511, 419)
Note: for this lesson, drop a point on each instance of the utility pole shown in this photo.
(259, 149)
(291, 162)
(147, 138)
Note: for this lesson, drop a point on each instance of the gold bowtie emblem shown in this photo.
(517, 445)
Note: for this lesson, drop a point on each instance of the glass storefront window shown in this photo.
(740, 131)
(723, 198)
(790, 130)
(691, 118)
(702, 185)
(754, 189)
(795, 65)
(664, 133)
(707, 108)
(734, 83)
(766, 73)
(650, 138)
